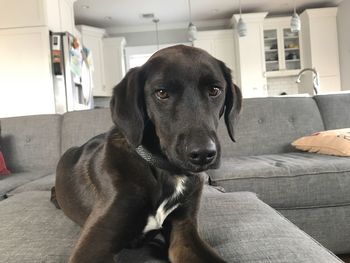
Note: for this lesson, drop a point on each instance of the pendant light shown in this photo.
(156, 21)
(295, 24)
(192, 29)
(241, 25)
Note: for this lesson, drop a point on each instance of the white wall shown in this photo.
(343, 21)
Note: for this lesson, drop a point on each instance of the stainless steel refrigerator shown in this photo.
(72, 73)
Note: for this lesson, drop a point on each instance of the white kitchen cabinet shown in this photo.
(92, 39)
(282, 48)
(26, 86)
(218, 43)
(57, 15)
(320, 44)
(114, 62)
(250, 56)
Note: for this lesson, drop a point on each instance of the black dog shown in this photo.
(143, 174)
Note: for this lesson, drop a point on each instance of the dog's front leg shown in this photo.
(187, 246)
(108, 228)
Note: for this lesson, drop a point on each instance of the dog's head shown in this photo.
(173, 103)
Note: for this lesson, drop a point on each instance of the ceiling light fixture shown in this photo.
(241, 25)
(85, 6)
(192, 29)
(156, 21)
(295, 23)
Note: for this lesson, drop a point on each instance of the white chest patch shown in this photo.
(156, 221)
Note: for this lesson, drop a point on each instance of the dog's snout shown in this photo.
(202, 154)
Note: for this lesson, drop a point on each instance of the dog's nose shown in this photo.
(204, 154)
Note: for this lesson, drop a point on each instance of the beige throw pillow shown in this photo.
(332, 142)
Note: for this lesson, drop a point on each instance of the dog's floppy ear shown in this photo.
(233, 101)
(127, 107)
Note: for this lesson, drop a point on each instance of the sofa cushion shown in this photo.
(14, 180)
(331, 142)
(80, 126)
(269, 125)
(290, 180)
(239, 226)
(329, 225)
(35, 230)
(335, 110)
(31, 143)
(42, 184)
(244, 229)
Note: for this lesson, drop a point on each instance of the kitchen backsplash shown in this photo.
(276, 86)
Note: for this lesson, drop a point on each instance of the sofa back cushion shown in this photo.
(31, 142)
(80, 126)
(269, 125)
(335, 110)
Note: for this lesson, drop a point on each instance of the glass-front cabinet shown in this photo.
(281, 48)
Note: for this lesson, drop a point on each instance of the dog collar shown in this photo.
(156, 160)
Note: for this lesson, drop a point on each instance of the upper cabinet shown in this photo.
(320, 42)
(282, 48)
(114, 62)
(57, 15)
(218, 43)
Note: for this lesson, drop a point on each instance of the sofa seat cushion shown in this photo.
(14, 180)
(290, 180)
(238, 225)
(33, 230)
(42, 184)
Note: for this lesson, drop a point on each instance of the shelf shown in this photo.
(271, 50)
(291, 49)
(271, 61)
(296, 37)
(292, 60)
(271, 39)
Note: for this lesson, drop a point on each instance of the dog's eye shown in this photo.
(162, 94)
(214, 91)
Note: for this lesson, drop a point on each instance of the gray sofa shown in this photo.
(310, 190)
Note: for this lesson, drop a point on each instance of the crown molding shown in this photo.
(170, 26)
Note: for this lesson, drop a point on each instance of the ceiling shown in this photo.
(127, 13)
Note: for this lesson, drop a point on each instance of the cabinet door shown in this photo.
(67, 16)
(114, 65)
(19, 13)
(271, 45)
(291, 49)
(95, 45)
(26, 86)
(224, 50)
(219, 44)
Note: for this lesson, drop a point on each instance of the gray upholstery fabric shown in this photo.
(288, 180)
(31, 142)
(335, 110)
(14, 180)
(269, 125)
(33, 230)
(80, 126)
(42, 184)
(239, 226)
(244, 229)
(328, 225)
